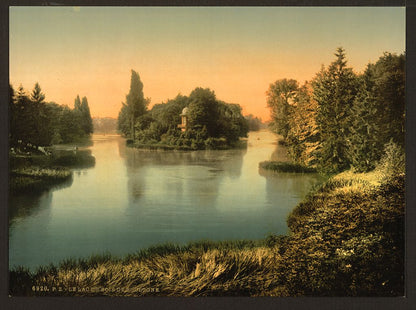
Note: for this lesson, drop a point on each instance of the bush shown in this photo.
(393, 162)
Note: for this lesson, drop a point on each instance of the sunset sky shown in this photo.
(235, 51)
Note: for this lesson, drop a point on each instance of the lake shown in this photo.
(132, 199)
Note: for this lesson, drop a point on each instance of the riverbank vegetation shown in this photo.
(341, 119)
(39, 172)
(197, 121)
(37, 123)
(346, 239)
(36, 179)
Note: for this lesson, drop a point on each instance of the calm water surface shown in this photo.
(132, 199)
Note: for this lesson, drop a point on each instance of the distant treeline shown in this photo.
(254, 123)
(211, 123)
(40, 123)
(104, 125)
(342, 119)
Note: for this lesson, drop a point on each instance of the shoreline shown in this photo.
(332, 234)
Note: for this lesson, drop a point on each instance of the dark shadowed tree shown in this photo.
(40, 117)
(135, 101)
(123, 121)
(24, 122)
(86, 120)
(378, 112)
(12, 116)
(168, 114)
(335, 90)
(77, 103)
(389, 90)
(231, 123)
(203, 110)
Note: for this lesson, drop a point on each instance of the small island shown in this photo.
(195, 122)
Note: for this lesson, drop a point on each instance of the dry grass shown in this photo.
(346, 240)
(191, 271)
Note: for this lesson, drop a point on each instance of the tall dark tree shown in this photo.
(12, 116)
(77, 103)
(37, 96)
(86, 122)
(279, 97)
(203, 110)
(389, 91)
(365, 145)
(135, 101)
(378, 112)
(70, 130)
(335, 90)
(231, 123)
(82, 114)
(41, 120)
(123, 121)
(24, 121)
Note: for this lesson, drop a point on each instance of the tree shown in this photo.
(123, 121)
(279, 97)
(83, 115)
(12, 116)
(37, 96)
(303, 136)
(24, 125)
(378, 111)
(203, 110)
(231, 123)
(86, 120)
(334, 90)
(365, 146)
(77, 103)
(135, 101)
(389, 92)
(168, 114)
(40, 117)
(69, 130)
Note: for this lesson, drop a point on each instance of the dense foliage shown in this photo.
(36, 122)
(212, 123)
(342, 119)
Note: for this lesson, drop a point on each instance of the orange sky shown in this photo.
(237, 52)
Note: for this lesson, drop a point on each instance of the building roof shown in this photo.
(184, 111)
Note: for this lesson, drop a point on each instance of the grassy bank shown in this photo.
(38, 172)
(35, 179)
(190, 145)
(346, 239)
(278, 166)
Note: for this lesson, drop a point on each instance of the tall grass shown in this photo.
(343, 242)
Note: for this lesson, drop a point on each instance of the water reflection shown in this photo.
(29, 204)
(133, 199)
